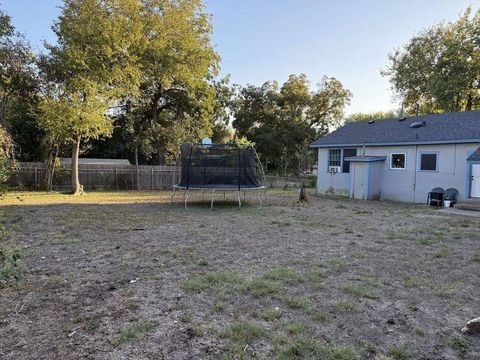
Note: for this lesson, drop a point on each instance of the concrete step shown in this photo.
(469, 204)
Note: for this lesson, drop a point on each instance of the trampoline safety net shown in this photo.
(218, 166)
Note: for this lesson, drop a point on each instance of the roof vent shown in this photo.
(371, 121)
(402, 119)
(417, 124)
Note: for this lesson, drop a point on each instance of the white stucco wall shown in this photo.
(409, 185)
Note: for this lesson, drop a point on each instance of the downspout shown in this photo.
(415, 174)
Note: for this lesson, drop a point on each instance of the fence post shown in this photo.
(151, 178)
(36, 178)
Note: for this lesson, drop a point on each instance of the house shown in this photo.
(402, 159)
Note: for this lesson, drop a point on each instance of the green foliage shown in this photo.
(18, 93)
(371, 116)
(283, 121)
(11, 270)
(438, 69)
(10, 267)
(460, 345)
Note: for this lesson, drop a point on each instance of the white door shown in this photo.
(475, 185)
(359, 181)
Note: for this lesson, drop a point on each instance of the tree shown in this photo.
(283, 121)
(92, 66)
(18, 90)
(438, 70)
(378, 115)
(179, 64)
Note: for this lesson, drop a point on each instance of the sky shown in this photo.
(261, 40)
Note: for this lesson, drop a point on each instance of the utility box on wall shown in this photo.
(366, 177)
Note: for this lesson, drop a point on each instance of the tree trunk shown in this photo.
(303, 194)
(77, 189)
(469, 103)
(137, 169)
(50, 169)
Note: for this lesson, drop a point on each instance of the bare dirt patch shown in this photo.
(127, 276)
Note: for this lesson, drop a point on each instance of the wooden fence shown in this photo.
(31, 175)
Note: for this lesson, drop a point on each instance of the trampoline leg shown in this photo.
(185, 196)
(260, 199)
(239, 201)
(244, 195)
(213, 200)
(224, 196)
(173, 195)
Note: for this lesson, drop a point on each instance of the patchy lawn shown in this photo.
(127, 276)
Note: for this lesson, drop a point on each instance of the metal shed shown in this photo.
(366, 177)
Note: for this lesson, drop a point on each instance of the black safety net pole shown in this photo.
(188, 165)
(239, 167)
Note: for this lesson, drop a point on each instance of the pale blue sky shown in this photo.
(262, 40)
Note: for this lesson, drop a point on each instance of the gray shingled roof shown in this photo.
(475, 156)
(458, 127)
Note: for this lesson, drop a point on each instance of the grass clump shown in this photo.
(260, 287)
(284, 274)
(134, 331)
(412, 281)
(270, 314)
(211, 280)
(304, 347)
(297, 303)
(55, 282)
(460, 345)
(295, 328)
(399, 353)
(443, 291)
(336, 264)
(218, 307)
(361, 291)
(346, 306)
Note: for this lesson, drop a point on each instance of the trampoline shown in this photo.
(220, 168)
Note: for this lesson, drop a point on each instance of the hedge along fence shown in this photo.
(31, 175)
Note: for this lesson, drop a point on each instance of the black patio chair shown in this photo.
(451, 194)
(435, 197)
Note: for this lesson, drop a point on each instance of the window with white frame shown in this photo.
(334, 157)
(398, 161)
(428, 161)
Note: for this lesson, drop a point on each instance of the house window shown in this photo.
(334, 157)
(398, 161)
(428, 162)
(346, 164)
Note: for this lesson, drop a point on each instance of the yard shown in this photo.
(127, 276)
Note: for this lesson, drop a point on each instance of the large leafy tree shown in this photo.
(283, 121)
(438, 70)
(92, 66)
(177, 97)
(18, 91)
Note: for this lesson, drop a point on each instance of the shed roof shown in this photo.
(449, 128)
(475, 156)
(365, 158)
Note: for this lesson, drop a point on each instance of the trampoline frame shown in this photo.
(261, 190)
